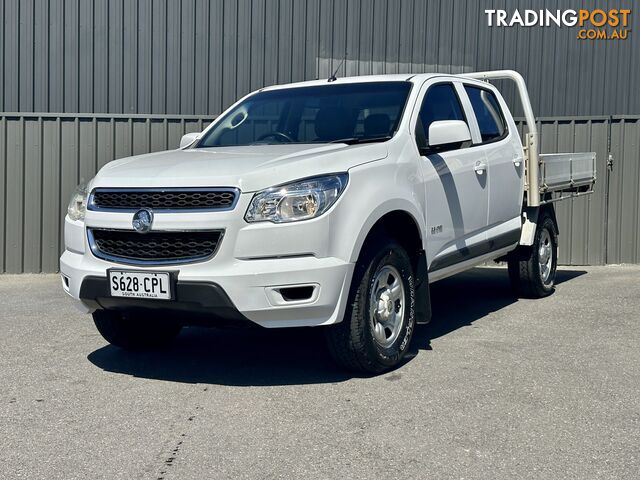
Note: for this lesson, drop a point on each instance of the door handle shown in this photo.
(517, 160)
(480, 167)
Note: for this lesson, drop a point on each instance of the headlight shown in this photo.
(78, 203)
(301, 200)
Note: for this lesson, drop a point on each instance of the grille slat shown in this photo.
(191, 199)
(163, 247)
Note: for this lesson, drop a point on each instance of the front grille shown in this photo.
(164, 199)
(153, 247)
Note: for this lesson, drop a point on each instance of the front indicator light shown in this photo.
(78, 203)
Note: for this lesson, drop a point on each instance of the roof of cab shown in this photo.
(397, 77)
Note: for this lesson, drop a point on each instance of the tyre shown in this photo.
(137, 331)
(380, 316)
(532, 270)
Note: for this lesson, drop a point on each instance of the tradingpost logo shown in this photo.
(596, 24)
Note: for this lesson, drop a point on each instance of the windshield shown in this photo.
(349, 113)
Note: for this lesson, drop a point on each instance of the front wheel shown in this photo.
(532, 270)
(139, 331)
(380, 318)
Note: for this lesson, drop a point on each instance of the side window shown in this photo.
(440, 103)
(487, 110)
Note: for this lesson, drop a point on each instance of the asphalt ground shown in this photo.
(494, 388)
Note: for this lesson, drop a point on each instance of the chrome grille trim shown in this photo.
(223, 207)
(98, 253)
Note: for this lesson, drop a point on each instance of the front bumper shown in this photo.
(248, 285)
(252, 260)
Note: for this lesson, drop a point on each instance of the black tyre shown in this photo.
(135, 331)
(532, 270)
(380, 317)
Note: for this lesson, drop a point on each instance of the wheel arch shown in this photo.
(384, 217)
(390, 224)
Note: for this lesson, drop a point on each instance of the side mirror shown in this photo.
(188, 138)
(444, 132)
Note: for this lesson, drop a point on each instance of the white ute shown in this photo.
(323, 203)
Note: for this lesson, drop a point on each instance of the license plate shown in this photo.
(132, 284)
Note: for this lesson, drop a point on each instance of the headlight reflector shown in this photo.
(301, 200)
(78, 203)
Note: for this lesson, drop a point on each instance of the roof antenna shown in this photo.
(333, 77)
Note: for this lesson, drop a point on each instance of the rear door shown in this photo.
(505, 165)
(456, 190)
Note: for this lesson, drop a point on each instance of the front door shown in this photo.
(456, 190)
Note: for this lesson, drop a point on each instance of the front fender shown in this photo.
(374, 191)
(389, 206)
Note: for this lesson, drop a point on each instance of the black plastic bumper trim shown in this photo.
(206, 301)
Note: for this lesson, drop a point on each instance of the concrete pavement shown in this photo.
(495, 388)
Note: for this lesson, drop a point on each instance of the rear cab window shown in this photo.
(486, 108)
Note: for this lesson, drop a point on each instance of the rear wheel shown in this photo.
(380, 318)
(532, 270)
(139, 331)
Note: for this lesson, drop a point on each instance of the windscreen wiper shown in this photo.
(354, 140)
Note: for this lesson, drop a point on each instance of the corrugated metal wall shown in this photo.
(623, 226)
(47, 155)
(603, 227)
(581, 220)
(198, 56)
(191, 58)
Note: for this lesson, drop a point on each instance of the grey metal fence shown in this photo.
(623, 217)
(44, 156)
(198, 56)
(604, 227)
(42, 159)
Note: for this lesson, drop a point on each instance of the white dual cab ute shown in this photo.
(324, 203)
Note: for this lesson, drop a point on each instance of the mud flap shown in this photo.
(423, 297)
